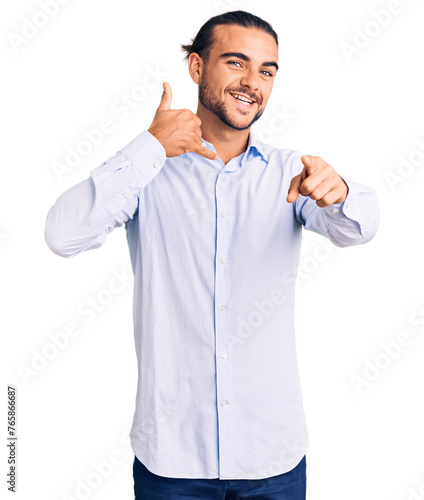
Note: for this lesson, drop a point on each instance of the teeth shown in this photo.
(240, 98)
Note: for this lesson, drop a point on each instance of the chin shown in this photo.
(242, 125)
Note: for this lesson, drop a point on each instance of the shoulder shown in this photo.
(288, 159)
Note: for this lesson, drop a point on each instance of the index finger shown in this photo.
(312, 163)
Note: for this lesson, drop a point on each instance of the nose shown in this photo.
(250, 79)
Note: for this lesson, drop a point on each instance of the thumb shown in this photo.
(293, 193)
(165, 103)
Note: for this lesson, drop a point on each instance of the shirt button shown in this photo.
(223, 308)
(223, 260)
(127, 195)
(156, 164)
(224, 214)
(335, 211)
(224, 403)
(224, 355)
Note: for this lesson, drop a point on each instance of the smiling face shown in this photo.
(236, 82)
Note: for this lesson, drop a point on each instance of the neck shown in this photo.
(227, 141)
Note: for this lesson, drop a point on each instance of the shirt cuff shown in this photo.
(146, 153)
(354, 207)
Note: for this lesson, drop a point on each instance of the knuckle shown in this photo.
(305, 186)
(195, 138)
(327, 199)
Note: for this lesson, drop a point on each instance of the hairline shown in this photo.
(213, 39)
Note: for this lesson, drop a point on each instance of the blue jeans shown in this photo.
(288, 486)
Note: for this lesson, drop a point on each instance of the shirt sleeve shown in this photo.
(353, 222)
(85, 214)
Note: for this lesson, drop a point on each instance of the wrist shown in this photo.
(345, 193)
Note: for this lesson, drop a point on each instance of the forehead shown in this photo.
(254, 42)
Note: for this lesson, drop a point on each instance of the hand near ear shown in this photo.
(178, 130)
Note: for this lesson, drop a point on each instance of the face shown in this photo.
(236, 82)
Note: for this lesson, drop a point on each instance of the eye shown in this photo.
(235, 63)
(266, 73)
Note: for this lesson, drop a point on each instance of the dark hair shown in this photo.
(204, 39)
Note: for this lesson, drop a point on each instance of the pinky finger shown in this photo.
(202, 151)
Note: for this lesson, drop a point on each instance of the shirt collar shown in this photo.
(259, 146)
(253, 143)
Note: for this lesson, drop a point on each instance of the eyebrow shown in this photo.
(246, 58)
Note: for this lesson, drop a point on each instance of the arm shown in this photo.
(344, 211)
(83, 215)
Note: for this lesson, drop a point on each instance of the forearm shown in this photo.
(85, 214)
(353, 222)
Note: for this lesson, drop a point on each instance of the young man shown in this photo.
(213, 220)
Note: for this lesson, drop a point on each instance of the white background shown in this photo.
(361, 114)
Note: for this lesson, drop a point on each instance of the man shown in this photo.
(213, 220)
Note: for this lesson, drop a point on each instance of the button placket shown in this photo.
(223, 315)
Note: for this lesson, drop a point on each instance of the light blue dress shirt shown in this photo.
(214, 249)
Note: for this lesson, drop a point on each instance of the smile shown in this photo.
(245, 101)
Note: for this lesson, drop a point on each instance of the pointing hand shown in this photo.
(319, 181)
(178, 130)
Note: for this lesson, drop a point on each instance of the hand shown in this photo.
(178, 130)
(319, 181)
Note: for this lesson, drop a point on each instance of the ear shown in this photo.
(195, 67)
